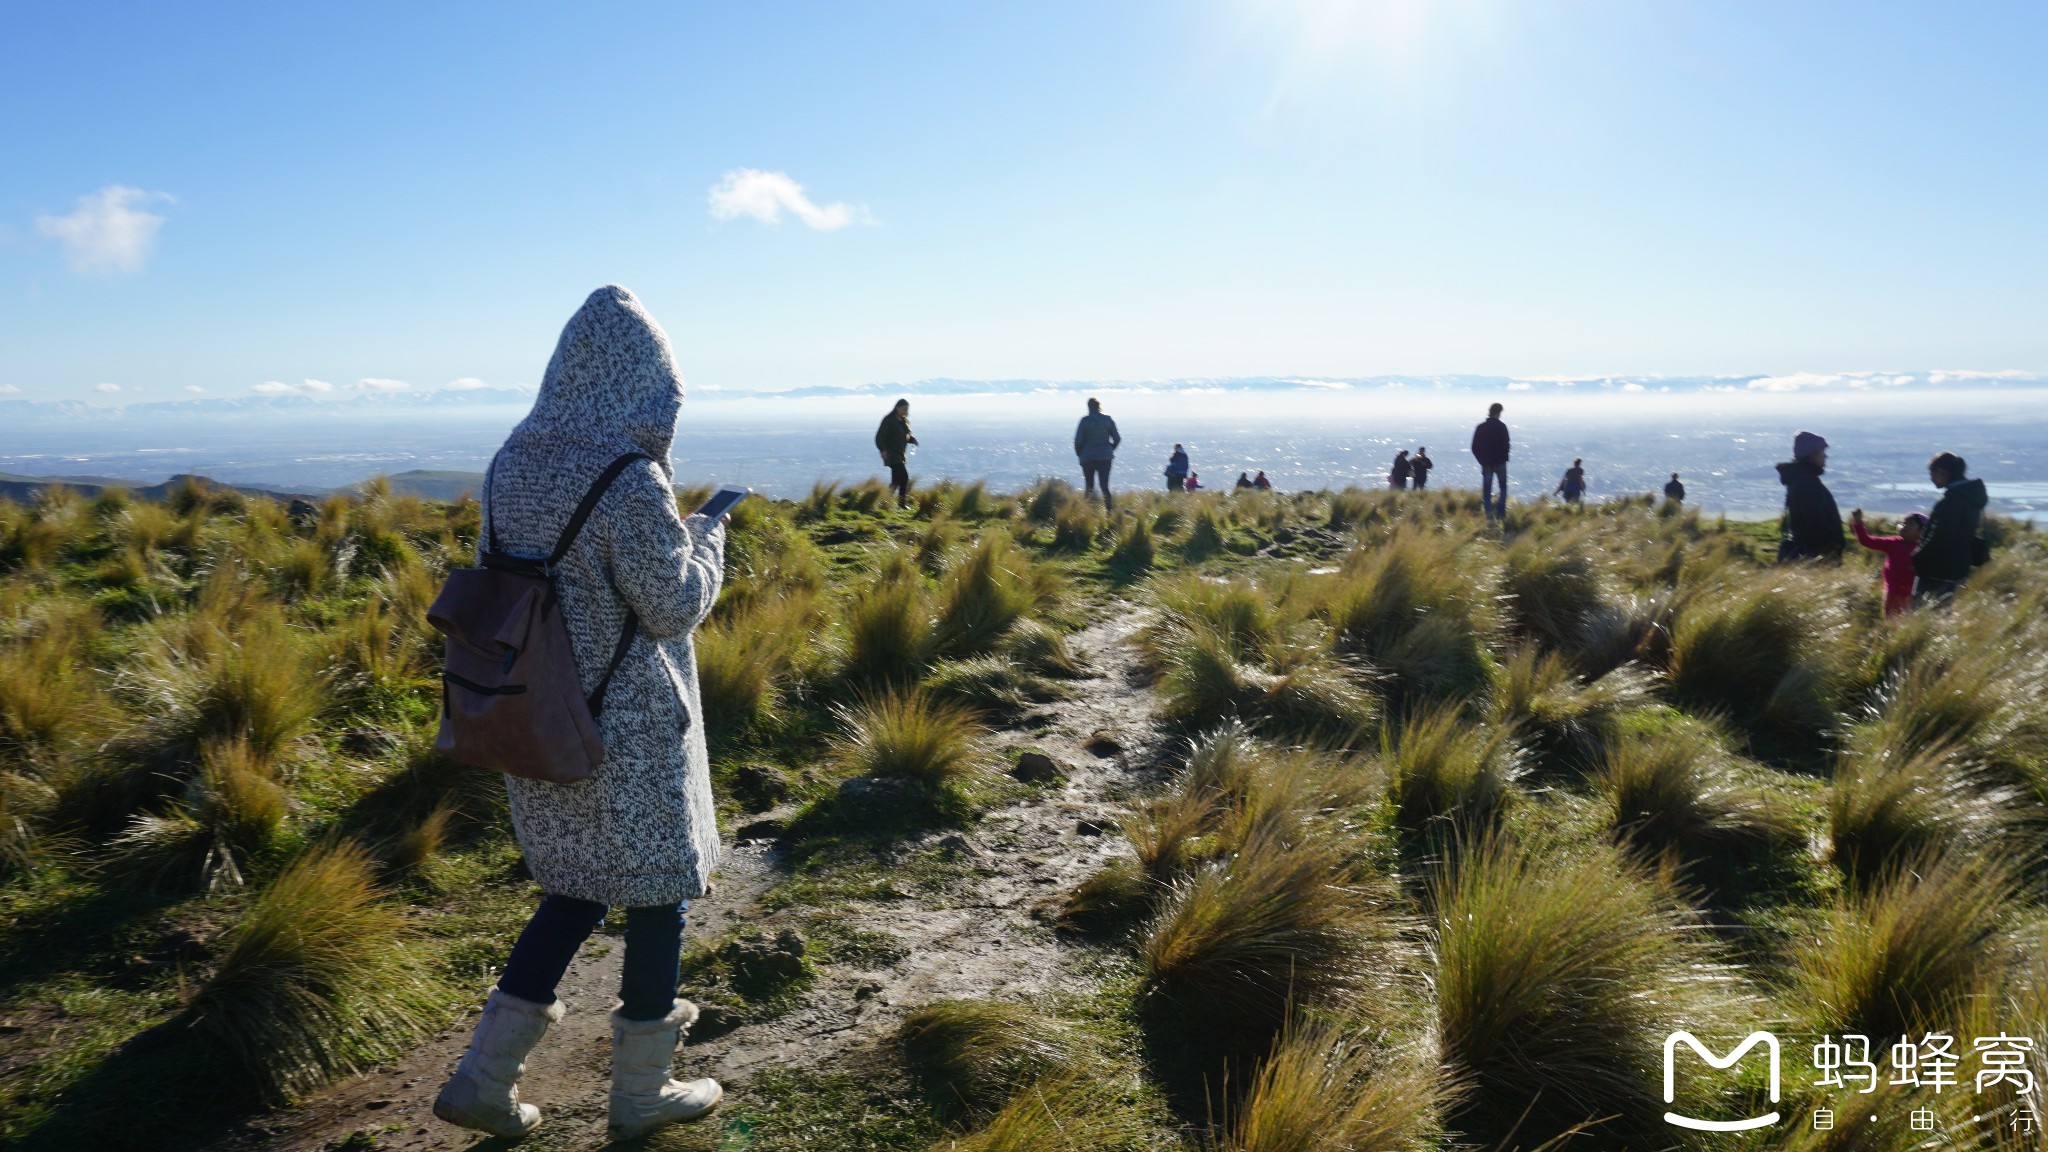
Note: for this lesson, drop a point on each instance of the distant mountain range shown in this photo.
(20, 411)
(426, 484)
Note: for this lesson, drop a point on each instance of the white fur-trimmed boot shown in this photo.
(643, 1096)
(484, 1092)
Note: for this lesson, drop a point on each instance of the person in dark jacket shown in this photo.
(1398, 477)
(1244, 481)
(1675, 491)
(1948, 546)
(1177, 470)
(1490, 448)
(1812, 529)
(1573, 486)
(892, 440)
(1418, 469)
(1095, 444)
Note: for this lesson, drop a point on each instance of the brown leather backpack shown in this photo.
(510, 698)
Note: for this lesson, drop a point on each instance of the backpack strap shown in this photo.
(596, 700)
(589, 504)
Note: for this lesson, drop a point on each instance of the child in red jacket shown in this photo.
(1898, 558)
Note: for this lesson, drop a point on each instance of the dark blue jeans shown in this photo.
(654, 949)
(1486, 478)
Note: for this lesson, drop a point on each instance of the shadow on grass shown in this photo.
(167, 1088)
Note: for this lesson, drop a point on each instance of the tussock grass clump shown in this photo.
(1310, 698)
(982, 597)
(1205, 535)
(255, 682)
(1135, 549)
(1566, 720)
(1757, 651)
(1326, 1089)
(1888, 807)
(910, 736)
(1557, 977)
(1238, 944)
(316, 981)
(992, 685)
(1411, 607)
(1079, 1113)
(973, 1055)
(1910, 952)
(48, 697)
(1043, 650)
(741, 658)
(418, 845)
(231, 813)
(1450, 777)
(889, 635)
(1553, 588)
(1674, 791)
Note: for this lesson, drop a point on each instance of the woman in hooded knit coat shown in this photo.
(641, 831)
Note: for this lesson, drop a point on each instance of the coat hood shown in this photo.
(612, 381)
(1968, 494)
(1793, 471)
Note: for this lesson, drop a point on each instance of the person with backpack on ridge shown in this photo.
(1490, 448)
(1950, 546)
(1573, 486)
(1177, 470)
(640, 830)
(1812, 528)
(893, 440)
(1095, 443)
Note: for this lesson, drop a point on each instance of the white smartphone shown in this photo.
(722, 501)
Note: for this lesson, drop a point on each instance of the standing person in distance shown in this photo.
(1397, 479)
(1675, 491)
(893, 440)
(1419, 465)
(1812, 529)
(641, 832)
(1949, 547)
(1573, 486)
(1490, 448)
(1095, 444)
(1177, 470)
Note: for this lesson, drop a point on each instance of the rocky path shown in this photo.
(982, 936)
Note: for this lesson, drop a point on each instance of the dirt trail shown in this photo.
(979, 939)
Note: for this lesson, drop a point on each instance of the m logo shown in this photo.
(1671, 1043)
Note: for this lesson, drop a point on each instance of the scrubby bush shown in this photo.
(316, 980)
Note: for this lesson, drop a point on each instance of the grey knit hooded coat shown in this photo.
(641, 829)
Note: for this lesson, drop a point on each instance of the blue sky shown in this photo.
(1122, 190)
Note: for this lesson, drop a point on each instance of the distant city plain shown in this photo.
(1723, 445)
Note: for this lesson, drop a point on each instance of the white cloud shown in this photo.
(107, 388)
(1520, 386)
(303, 388)
(108, 231)
(9, 390)
(194, 389)
(373, 384)
(766, 195)
(466, 384)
